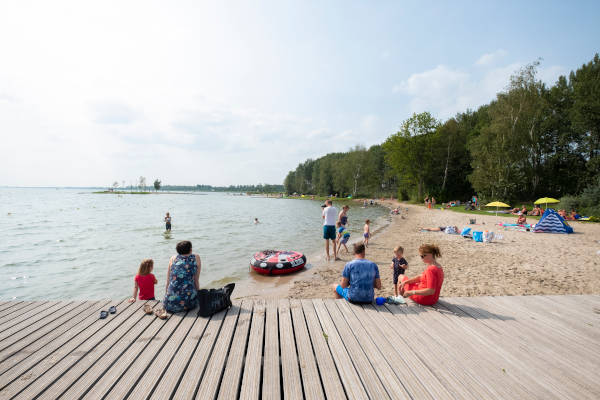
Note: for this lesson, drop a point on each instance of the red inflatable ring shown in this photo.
(277, 262)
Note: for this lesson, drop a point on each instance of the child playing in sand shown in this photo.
(367, 233)
(399, 265)
(342, 237)
(144, 281)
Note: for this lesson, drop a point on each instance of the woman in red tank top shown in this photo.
(425, 288)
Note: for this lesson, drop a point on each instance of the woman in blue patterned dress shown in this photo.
(182, 279)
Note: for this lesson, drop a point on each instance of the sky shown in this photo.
(240, 92)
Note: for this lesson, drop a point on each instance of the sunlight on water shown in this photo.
(73, 244)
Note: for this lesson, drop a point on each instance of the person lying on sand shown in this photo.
(522, 220)
(446, 229)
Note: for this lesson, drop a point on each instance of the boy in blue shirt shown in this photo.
(359, 277)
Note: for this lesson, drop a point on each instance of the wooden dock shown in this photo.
(527, 347)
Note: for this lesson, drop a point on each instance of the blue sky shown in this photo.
(240, 92)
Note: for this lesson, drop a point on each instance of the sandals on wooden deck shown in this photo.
(148, 309)
(161, 313)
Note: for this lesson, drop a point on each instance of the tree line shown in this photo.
(530, 141)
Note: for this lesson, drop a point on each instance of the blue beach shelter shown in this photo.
(551, 222)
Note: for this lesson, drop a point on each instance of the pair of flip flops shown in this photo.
(159, 312)
(104, 314)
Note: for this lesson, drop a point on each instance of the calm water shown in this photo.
(73, 244)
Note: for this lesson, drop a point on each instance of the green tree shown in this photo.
(157, 185)
(409, 151)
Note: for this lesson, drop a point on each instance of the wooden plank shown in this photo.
(351, 381)
(235, 361)
(30, 355)
(271, 369)
(77, 381)
(24, 337)
(8, 305)
(376, 360)
(531, 356)
(481, 372)
(51, 368)
(535, 330)
(145, 349)
(512, 358)
(23, 307)
(372, 383)
(330, 379)
(290, 371)
(163, 360)
(170, 380)
(252, 369)
(33, 314)
(428, 352)
(403, 360)
(311, 381)
(195, 369)
(209, 386)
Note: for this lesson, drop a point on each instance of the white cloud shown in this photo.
(491, 58)
(445, 91)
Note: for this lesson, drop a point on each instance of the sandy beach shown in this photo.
(521, 263)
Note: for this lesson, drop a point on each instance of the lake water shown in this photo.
(74, 244)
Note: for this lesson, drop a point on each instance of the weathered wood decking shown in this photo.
(543, 347)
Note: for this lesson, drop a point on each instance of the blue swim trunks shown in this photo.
(329, 232)
(342, 291)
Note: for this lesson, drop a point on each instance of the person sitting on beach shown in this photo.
(574, 215)
(425, 289)
(524, 210)
(359, 277)
(342, 237)
(515, 211)
(562, 213)
(522, 220)
(399, 265)
(446, 229)
(182, 279)
(144, 281)
(535, 211)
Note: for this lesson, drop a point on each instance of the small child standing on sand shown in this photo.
(144, 281)
(367, 233)
(342, 236)
(399, 265)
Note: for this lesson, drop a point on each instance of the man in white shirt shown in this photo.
(329, 218)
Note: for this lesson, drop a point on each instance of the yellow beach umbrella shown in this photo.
(497, 204)
(546, 200)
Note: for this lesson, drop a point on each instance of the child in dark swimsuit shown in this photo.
(168, 222)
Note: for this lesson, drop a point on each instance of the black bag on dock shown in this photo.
(211, 301)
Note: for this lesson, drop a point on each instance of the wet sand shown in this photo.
(521, 263)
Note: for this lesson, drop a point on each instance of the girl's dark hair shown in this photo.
(145, 266)
(430, 249)
(359, 248)
(184, 247)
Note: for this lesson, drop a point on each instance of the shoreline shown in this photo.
(521, 263)
(262, 286)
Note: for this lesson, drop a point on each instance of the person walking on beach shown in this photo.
(425, 289)
(366, 233)
(359, 277)
(329, 218)
(342, 236)
(168, 222)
